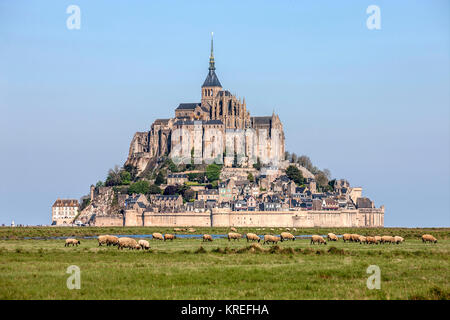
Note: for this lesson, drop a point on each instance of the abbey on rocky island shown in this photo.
(209, 129)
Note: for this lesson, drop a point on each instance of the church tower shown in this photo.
(212, 85)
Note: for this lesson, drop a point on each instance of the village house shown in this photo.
(176, 178)
(227, 191)
(208, 194)
(166, 201)
(64, 211)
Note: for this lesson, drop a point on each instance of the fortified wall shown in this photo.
(291, 219)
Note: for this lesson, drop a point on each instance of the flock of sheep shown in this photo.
(130, 243)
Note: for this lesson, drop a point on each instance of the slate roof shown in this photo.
(66, 203)
(187, 106)
(211, 80)
(262, 120)
(213, 122)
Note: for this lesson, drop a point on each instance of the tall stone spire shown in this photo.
(211, 57)
(211, 78)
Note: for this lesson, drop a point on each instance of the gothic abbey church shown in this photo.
(219, 116)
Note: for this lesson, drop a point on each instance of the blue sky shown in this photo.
(370, 105)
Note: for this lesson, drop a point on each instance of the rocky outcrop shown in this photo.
(102, 204)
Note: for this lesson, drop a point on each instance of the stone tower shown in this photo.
(212, 85)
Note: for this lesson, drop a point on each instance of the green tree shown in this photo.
(154, 189)
(213, 172)
(132, 170)
(250, 177)
(99, 184)
(125, 177)
(159, 178)
(141, 186)
(171, 165)
(294, 174)
(113, 178)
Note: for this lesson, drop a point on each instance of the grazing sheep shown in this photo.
(319, 239)
(346, 237)
(288, 229)
(377, 239)
(362, 239)
(176, 230)
(233, 229)
(234, 236)
(294, 229)
(252, 237)
(71, 241)
(207, 237)
(126, 242)
(169, 236)
(398, 239)
(157, 236)
(103, 239)
(144, 244)
(269, 238)
(112, 241)
(428, 238)
(354, 237)
(371, 240)
(332, 237)
(191, 230)
(287, 236)
(387, 239)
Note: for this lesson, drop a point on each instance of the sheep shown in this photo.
(377, 239)
(294, 229)
(71, 241)
(371, 240)
(176, 230)
(112, 241)
(157, 236)
(319, 239)
(398, 239)
(191, 230)
(234, 235)
(252, 237)
(354, 237)
(233, 229)
(346, 237)
(362, 239)
(269, 238)
(103, 239)
(126, 242)
(288, 229)
(287, 236)
(144, 244)
(428, 238)
(332, 237)
(169, 236)
(207, 237)
(387, 239)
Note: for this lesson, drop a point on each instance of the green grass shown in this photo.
(23, 232)
(36, 269)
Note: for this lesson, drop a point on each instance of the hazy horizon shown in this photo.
(372, 106)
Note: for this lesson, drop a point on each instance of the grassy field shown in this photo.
(190, 269)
